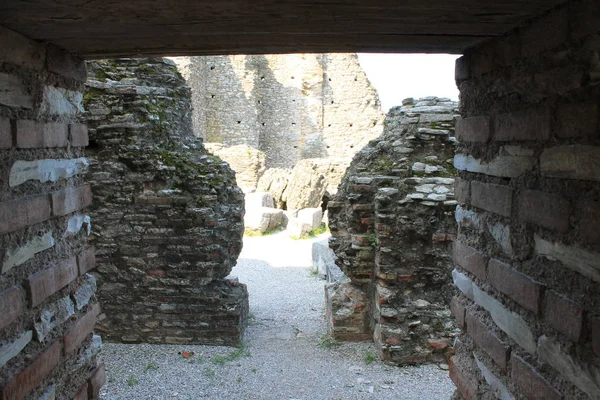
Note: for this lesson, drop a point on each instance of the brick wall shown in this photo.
(527, 257)
(47, 298)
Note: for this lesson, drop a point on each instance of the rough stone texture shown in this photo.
(170, 216)
(247, 162)
(527, 207)
(42, 179)
(263, 219)
(392, 230)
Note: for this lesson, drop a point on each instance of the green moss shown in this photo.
(92, 93)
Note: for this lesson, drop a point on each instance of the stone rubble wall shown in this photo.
(169, 215)
(392, 229)
(48, 304)
(291, 107)
(527, 255)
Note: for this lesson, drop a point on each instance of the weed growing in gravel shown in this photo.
(132, 381)
(252, 233)
(327, 342)
(209, 372)
(370, 357)
(253, 370)
(152, 365)
(238, 353)
(312, 234)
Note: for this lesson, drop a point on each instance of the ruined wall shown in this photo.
(527, 254)
(392, 227)
(291, 106)
(47, 301)
(169, 215)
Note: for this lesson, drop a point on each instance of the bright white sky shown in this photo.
(398, 76)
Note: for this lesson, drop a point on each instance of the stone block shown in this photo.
(96, 381)
(495, 383)
(470, 259)
(473, 129)
(586, 377)
(571, 162)
(62, 63)
(78, 135)
(501, 234)
(11, 306)
(86, 260)
(501, 166)
(297, 228)
(53, 315)
(20, 50)
(463, 283)
(526, 125)
(71, 199)
(487, 341)
(462, 190)
(19, 255)
(35, 134)
(575, 258)
(545, 210)
(258, 200)
(46, 170)
(563, 315)
(493, 198)
(12, 349)
(577, 120)
(465, 382)
(530, 382)
(5, 133)
(28, 379)
(60, 102)
(323, 261)
(517, 286)
(14, 92)
(80, 330)
(85, 292)
(45, 283)
(311, 216)
(262, 219)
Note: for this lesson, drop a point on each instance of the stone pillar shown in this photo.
(169, 214)
(48, 305)
(527, 256)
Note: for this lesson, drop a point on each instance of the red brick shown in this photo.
(96, 381)
(35, 134)
(545, 210)
(470, 259)
(80, 330)
(589, 225)
(439, 344)
(523, 125)
(86, 260)
(23, 212)
(546, 32)
(530, 382)
(70, 200)
(45, 283)
(78, 135)
(11, 306)
(29, 378)
(466, 385)
(65, 64)
(473, 129)
(488, 341)
(461, 190)
(515, 285)
(82, 393)
(596, 335)
(458, 311)
(564, 315)
(577, 120)
(492, 198)
(5, 134)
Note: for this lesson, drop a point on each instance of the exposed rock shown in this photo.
(305, 188)
(259, 199)
(263, 219)
(247, 162)
(169, 215)
(323, 262)
(311, 216)
(275, 181)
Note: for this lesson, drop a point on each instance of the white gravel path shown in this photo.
(283, 357)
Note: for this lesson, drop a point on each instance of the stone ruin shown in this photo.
(169, 214)
(392, 225)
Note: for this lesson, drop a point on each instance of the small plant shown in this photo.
(239, 379)
(238, 353)
(370, 357)
(132, 381)
(253, 370)
(152, 365)
(328, 342)
(373, 240)
(209, 372)
(314, 272)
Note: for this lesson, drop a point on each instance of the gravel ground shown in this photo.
(286, 355)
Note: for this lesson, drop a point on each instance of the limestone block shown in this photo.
(59, 101)
(493, 381)
(84, 293)
(9, 350)
(311, 216)
(13, 92)
(46, 170)
(571, 162)
(296, 228)
(19, 255)
(577, 259)
(54, 315)
(305, 188)
(262, 219)
(274, 181)
(259, 199)
(502, 166)
(323, 262)
(76, 222)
